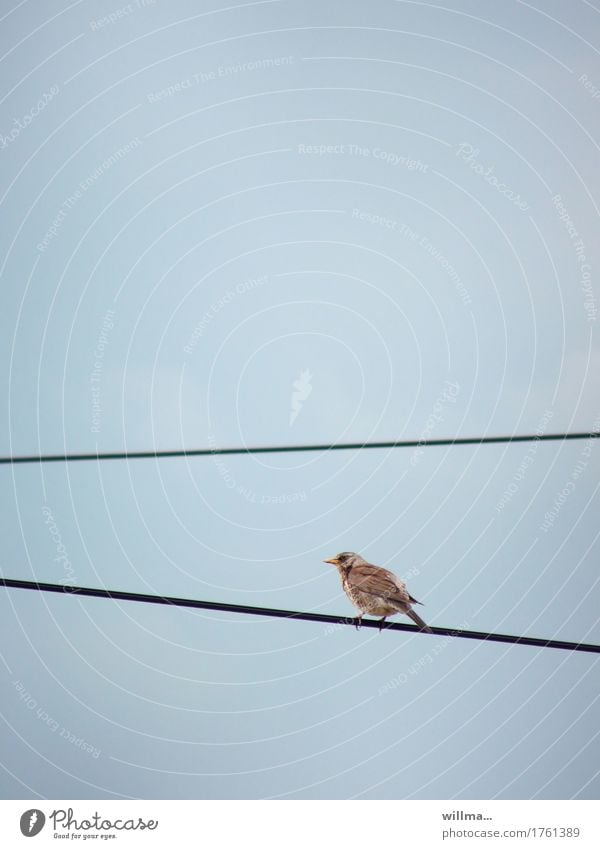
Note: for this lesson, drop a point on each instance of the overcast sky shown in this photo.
(292, 222)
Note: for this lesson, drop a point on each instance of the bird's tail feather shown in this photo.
(418, 621)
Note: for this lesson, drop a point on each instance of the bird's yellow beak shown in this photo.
(333, 560)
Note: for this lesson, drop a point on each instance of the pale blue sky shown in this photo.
(211, 202)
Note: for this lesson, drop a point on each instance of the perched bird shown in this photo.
(374, 590)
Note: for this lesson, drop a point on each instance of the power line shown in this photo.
(289, 449)
(118, 595)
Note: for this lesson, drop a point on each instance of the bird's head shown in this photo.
(344, 560)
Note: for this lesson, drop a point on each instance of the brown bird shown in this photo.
(374, 590)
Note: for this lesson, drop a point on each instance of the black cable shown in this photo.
(118, 595)
(288, 449)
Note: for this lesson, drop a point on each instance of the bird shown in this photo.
(374, 590)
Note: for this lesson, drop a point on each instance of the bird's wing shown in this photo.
(377, 581)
